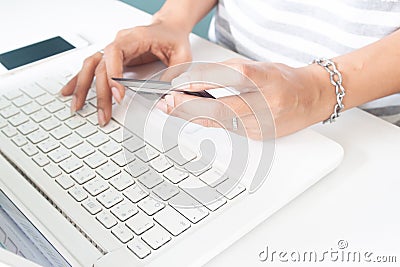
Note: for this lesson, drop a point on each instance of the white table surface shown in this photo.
(358, 202)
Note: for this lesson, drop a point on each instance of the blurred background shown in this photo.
(151, 6)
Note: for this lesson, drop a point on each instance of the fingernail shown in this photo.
(116, 94)
(73, 105)
(101, 117)
(169, 99)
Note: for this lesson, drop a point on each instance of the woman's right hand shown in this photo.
(135, 46)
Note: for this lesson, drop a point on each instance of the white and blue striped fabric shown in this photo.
(295, 32)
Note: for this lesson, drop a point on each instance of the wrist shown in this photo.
(324, 92)
(173, 20)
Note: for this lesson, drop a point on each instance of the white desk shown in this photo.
(357, 202)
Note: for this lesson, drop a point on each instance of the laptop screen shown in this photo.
(20, 236)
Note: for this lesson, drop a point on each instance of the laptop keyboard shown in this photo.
(130, 187)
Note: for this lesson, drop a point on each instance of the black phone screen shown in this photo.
(34, 52)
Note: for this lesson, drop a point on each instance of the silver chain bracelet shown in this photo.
(336, 80)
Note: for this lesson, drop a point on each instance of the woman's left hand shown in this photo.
(296, 97)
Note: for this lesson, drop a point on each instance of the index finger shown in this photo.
(114, 58)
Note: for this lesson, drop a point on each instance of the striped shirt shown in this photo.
(295, 32)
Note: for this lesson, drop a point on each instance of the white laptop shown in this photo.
(75, 194)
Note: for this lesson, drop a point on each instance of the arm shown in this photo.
(368, 73)
(299, 97)
(184, 13)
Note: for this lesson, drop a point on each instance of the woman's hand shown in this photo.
(134, 46)
(295, 97)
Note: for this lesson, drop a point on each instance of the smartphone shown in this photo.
(22, 57)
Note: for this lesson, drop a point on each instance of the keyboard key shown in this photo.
(87, 110)
(96, 186)
(122, 181)
(150, 205)
(31, 108)
(38, 136)
(45, 99)
(110, 198)
(52, 170)
(63, 114)
(78, 193)
(75, 122)
(21, 101)
(71, 164)
(206, 195)
(12, 94)
(3, 123)
(147, 153)
(197, 167)
(140, 223)
(91, 94)
(86, 130)
(61, 132)
(93, 118)
(83, 150)
(8, 112)
(122, 233)
(175, 175)
(139, 248)
(108, 170)
(18, 119)
(92, 206)
(110, 148)
(82, 174)
(189, 207)
(178, 157)
(172, 221)
(9, 131)
(231, 188)
(40, 116)
(110, 127)
(136, 168)
(72, 141)
(30, 150)
(48, 145)
(106, 219)
(27, 128)
(59, 154)
(120, 135)
(166, 190)
(50, 124)
(98, 139)
(51, 86)
(65, 181)
(63, 98)
(41, 160)
(4, 103)
(213, 178)
(19, 140)
(95, 160)
(161, 164)
(32, 90)
(135, 193)
(124, 210)
(134, 143)
(156, 237)
(54, 106)
(150, 179)
(122, 158)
